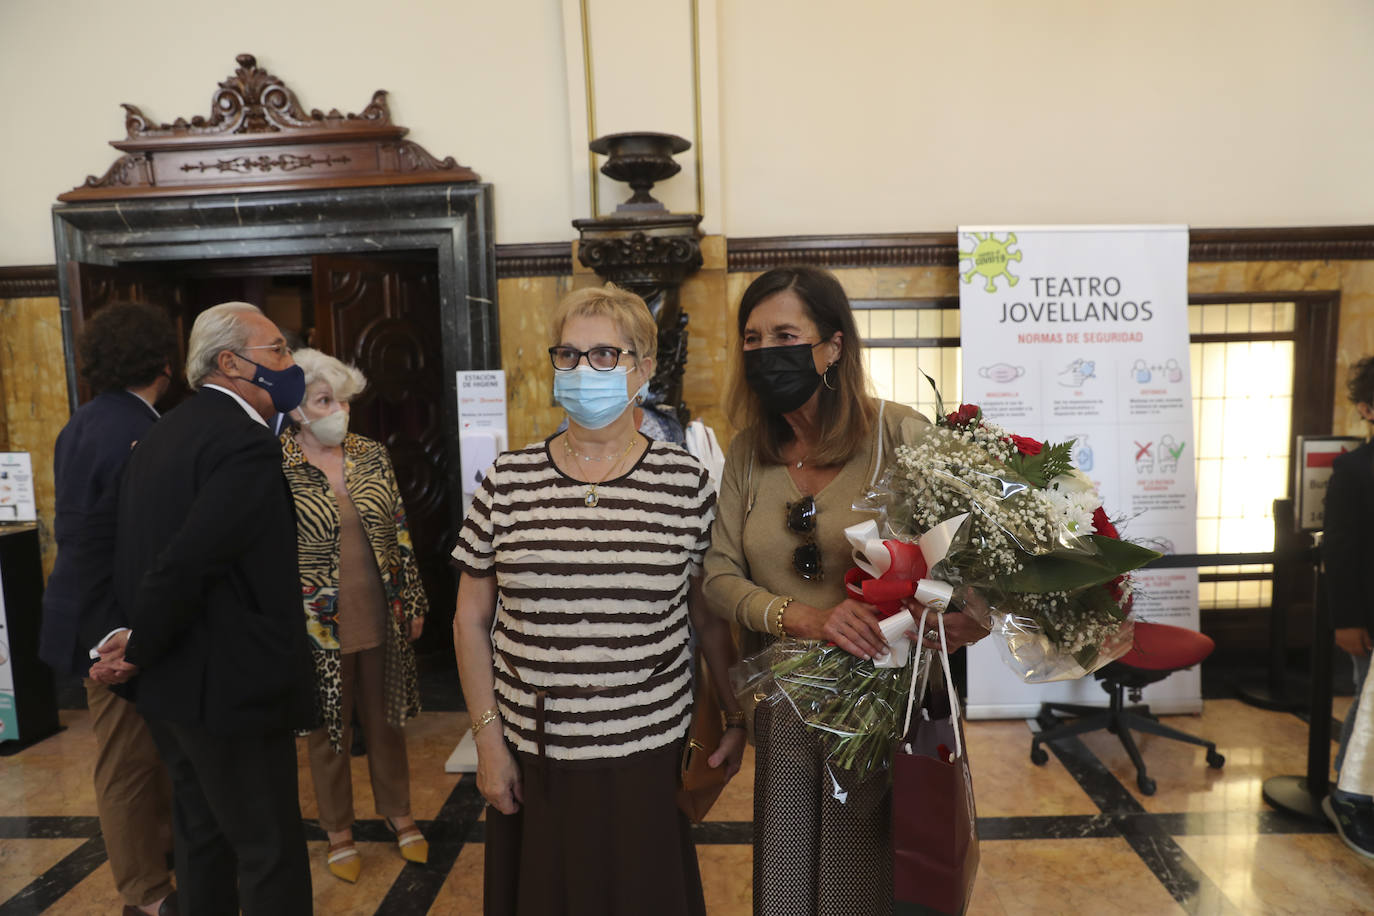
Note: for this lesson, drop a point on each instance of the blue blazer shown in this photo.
(79, 605)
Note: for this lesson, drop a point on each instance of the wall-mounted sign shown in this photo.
(1313, 472)
(16, 488)
(481, 425)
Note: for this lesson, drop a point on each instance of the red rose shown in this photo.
(965, 415)
(1026, 445)
(1103, 525)
(1114, 588)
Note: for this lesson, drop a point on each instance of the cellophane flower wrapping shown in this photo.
(1040, 562)
(855, 709)
(1037, 561)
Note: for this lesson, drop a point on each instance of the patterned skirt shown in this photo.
(813, 855)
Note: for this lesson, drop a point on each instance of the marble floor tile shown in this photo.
(95, 895)
(1256, 743)
(55, 776)
(727, 878)
(23, 860)
(1096, 876)
(1292, 874)
(461, 893)
(1007, 784)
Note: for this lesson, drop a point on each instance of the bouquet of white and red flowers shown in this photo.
(1002, 527)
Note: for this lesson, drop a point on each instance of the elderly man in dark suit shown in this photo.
(206, 567)
(126, 351)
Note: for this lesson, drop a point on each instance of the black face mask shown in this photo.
(783, 377)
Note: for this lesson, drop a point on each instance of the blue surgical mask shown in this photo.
(286, 386)
(594, 400)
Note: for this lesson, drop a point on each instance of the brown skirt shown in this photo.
(594, 841)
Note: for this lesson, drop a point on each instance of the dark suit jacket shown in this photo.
(78, 604)
(1348, 545)
(206, 566)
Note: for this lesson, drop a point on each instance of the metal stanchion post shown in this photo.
(1301, 796)
(1280, 690)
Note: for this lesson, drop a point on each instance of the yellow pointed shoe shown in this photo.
(410, 841)
(344, 861)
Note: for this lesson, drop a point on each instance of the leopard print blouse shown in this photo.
(372, 486)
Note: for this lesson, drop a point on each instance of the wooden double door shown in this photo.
(380, 313)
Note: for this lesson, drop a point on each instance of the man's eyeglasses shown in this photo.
(278, 349)
(801, 519)
(602, 359)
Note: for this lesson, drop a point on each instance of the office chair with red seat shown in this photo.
(1157, 651)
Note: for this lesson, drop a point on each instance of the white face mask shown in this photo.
(329, 429)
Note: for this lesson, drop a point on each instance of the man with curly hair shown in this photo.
(125, 351)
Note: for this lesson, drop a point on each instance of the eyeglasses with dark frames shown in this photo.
(602, 359)
(801, 519)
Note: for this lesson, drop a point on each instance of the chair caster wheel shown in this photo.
(1146, 784)
(1215, 760)
(1039, 756)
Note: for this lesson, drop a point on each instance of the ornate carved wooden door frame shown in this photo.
(262, 177)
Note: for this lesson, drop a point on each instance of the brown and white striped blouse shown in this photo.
(591, 601)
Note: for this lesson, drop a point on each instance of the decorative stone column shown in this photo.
(644, 248)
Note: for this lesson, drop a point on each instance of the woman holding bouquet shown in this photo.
(813, 440)
(585, 551)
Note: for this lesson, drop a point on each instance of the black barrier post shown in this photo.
(1280, 690)
(1301, 796)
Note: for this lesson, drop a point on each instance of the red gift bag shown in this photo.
(934, 824)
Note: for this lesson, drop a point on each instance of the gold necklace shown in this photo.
(591, 499)
(567, 446)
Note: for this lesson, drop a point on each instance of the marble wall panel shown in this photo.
(34, 381)
(526, 305)
(710, 314)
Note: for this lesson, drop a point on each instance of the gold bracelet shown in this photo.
(778, 628)
(735, 720)
(485, 719)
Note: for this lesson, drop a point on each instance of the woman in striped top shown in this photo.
(580, 561)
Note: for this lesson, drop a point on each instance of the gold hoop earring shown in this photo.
(825, 377)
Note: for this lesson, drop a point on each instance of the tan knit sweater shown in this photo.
(749, 566)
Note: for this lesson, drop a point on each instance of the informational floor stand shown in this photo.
(17, 502)
(1081, 332)
(482, 436)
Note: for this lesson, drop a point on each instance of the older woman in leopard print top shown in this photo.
(363, 604)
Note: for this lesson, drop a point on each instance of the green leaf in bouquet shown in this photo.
(1065, 572)
(1100, 603)
(1053, 461)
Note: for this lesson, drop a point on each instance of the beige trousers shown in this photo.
(133, 796)
(386, 748)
